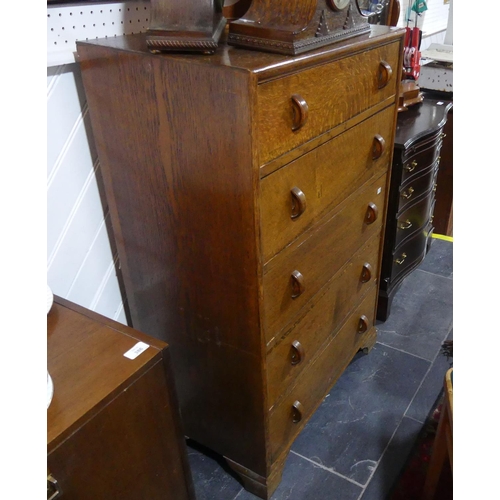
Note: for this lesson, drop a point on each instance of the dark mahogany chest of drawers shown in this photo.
(409, 227)
(247, 193)
(113, 425)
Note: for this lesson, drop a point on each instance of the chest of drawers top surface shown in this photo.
(85, 359)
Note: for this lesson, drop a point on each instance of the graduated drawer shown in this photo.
(416, 187)
(327, 310)
(421, 156)
(295, 196)
(410, 253)
(299, 107)
(302, 268)
(412, 219)
(288, 418)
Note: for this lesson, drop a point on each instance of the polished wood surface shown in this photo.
(187, 25)
(206, 261)
(412, 198)
(296, 26)
(113, 425)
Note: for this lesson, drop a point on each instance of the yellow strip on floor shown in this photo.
(443, 237)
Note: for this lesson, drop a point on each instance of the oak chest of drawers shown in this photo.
(409, 227)
(247, 193)
(113, 425)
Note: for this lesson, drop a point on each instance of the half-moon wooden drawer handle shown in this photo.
(378, 146)
(371, 213)
(298, 352)
(298, 285)
(363, 324)
(299, 202)
(384, 74)
(366, 273)
(300, 111)
(297, 411)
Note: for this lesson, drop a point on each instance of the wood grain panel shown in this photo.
(318, 254)
(334, 93)
(315, 382)
(323, 315)
(326, 176)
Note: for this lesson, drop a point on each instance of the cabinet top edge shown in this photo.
(265, 65)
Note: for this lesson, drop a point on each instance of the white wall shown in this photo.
(81, 265)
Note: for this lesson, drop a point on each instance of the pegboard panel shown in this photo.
(68, 23)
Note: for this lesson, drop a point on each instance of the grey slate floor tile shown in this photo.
(439, 259)
(350, 430)
(303, 480)
(421, 315)
(394, 460)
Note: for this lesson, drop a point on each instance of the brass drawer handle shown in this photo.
(299, 202)
(297, 410)
(405, 225)
(366, 273)
(412, 166)
(408, 193)
(300, 111)
(298, 285)
(434, 187)
(384, 74)
(362, 324)
(53, 488)
(378, 146)
(401, 259)
(371, 213)
(298, 352)
(443, 135)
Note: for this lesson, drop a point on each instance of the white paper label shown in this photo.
(139, 348)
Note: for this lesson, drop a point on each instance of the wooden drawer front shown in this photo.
(417, 159)
(328, 309)
(412, 219)
(316, 380)
(329, 94)
(325, 176)
(302, 268)
(414, 189)
(410, 253)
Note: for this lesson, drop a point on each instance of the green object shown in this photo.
(419, 6)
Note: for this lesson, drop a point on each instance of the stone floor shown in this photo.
(358, 440)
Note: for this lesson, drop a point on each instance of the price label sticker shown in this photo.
(139, 348)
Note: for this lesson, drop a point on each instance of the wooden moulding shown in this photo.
(187, 25)
(295, 26)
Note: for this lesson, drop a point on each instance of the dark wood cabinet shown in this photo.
(412, 196)
(247, 192)
(113, 425)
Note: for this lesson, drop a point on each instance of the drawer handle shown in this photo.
(405, 225)
(442, 135)
(366, 273)
(297, 410)
(434, 188)
(53, 488)
(384, 74)
(371, 213)
(298, 352)
(362, 324)
(408, 193)
(401, 259)
(298, 285)
(299, 202)
(411, 167)
(378, 146)
(300, 111)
